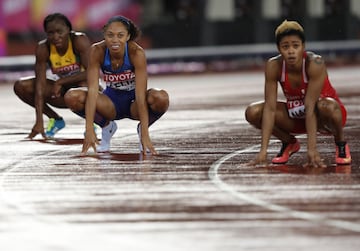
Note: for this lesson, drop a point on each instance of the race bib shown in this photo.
(124, 86)
(122, 81)
(296, 109)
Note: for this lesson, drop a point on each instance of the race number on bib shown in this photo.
(296, 109)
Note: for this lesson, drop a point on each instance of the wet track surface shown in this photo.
(198, 194)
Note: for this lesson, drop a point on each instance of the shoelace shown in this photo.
(342, 151)
(284, 145)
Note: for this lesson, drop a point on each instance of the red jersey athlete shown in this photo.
(312, 104)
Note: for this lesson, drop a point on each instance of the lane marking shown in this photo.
(10, 200)
(213, 174)
(8, 170)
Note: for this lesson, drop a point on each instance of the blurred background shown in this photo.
(205, 34)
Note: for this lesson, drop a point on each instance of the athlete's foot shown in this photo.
(54, 125)
(343, 156)
(286, 151)
(106, 134)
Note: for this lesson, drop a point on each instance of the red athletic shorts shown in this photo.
(300, 127)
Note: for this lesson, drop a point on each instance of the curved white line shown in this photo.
(5, 199)
(214, 177)
(8, 199)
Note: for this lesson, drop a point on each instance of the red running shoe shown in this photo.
(286, 151)
(343, 156)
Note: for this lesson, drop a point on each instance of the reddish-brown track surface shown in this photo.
(198, 194)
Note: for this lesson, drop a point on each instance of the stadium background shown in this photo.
(182, 23)
(188, 35)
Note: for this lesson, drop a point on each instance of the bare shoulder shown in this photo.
(42, 42)
(274, 61)
(80, 39)
(42, 50)
(78, 34)
(313, 58)
(314, 63)
(97, 51)
(98, 46)
(135, 49)
(273, 67)
(42, 45)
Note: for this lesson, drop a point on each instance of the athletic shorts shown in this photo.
(122, 101)
(300, 126)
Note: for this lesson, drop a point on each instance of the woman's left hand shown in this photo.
(148, 146)
(314, 160)
(90, 140)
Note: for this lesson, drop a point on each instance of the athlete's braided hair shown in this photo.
(133, 30)
(52, 17)
(289, 28)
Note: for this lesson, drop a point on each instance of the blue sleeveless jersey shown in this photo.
(122, 78)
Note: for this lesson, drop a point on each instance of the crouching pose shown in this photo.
(66, 52)
(124, 68)
(312, 104)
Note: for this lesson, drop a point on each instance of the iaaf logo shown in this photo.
(119, 77)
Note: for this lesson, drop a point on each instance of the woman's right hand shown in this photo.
(260, 160)
(38, 128)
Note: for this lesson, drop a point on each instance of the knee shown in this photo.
(18, 88)
(253, 114)
(327, 107)
(75, 99)
(158, 100)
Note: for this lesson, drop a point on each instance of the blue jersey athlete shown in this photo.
(123, 64)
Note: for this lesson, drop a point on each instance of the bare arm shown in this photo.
(269, 110)
(41, 55)
(317, 74)
(92, 95)
(268, 119)
(138, 59)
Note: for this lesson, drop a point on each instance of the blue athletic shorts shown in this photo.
(122, 101)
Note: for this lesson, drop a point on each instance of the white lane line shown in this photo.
(10, 200)
(213, 174)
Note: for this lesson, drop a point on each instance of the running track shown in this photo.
(198, 194)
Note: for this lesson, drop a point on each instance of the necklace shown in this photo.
(115, 65)
(116, 62)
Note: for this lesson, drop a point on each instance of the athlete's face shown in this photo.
(116, 35)
(58, 33)
(291, 48)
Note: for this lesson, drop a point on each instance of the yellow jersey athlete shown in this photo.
(65, 52)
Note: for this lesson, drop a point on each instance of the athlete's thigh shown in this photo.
(282, 118)
(105, 107)
(48, 88)
(134, 111)
(48, 95)
(26, 84)
(330, 113)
